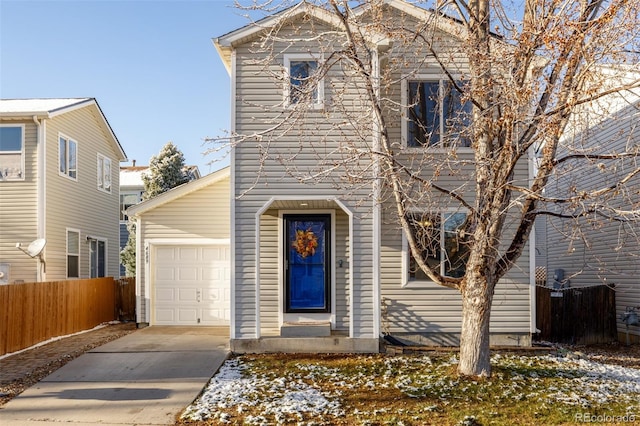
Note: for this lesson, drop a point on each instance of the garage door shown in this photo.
(191, 285)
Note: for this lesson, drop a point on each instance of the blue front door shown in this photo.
(307, 243)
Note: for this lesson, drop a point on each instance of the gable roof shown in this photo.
(178, 192)
(227, 42)
(45, 108)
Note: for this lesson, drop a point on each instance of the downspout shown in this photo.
(40, 185)
(377, 213)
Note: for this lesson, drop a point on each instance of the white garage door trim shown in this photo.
(198, 311)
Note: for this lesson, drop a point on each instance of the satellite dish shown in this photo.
(36, 247)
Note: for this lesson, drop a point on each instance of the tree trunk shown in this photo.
(474, 338)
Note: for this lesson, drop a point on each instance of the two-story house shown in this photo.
(59, 161)
(320, 265)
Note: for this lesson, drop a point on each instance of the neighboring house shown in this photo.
(604, 251)
(367, 285)
(183, 259)
(131, 191)
(59, 160)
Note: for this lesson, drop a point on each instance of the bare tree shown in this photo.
(514, 82)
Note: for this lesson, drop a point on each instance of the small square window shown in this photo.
(11, 152)
(303, 83)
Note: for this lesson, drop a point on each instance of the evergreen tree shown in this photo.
(166, 170)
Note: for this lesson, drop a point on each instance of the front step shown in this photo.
(306, 329)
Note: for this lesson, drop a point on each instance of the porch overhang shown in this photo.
(301, 203)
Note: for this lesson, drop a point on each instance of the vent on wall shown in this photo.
(4, 273)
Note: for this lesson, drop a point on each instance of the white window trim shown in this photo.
(404, 89)
(66, 237)
(103, 159)
(406, 282)
(91, 238)
(22, 155)
(288, 57)
(69, 140)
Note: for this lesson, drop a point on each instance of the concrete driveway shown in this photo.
(145, 378)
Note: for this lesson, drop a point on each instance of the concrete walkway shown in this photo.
(145, 378)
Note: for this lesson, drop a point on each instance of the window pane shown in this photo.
(455, 249)
(101, 258)
(93, 255)
(11, 139)
(426, 230)
(107, 174)
(73, 242)
(72, 159)
(73, 267)
(100, 172)
(457, 115)
(424, 116)
(300, 73)
(63, 155)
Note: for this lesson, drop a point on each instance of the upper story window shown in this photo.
(303, 84)
(68, 157)
(441, 237)
(128, 199)
(436, 114)
(73, 253)
(11, 152)
(104, 173)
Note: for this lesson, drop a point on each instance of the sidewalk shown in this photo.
(20, 371)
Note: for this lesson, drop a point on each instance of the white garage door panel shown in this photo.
(191, 285)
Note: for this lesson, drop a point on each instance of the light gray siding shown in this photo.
(79, 204)
(19, 210)
(258, 99)
(259, 179)
(426, 308)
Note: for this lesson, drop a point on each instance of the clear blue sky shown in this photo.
(150, 64)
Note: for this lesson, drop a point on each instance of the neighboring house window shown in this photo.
(126, 201)
(441, 237)
(104, 173)
(436, 114)
(303, 85)
(73, 254)
(68, 157)
(97, 257)
(11, 152)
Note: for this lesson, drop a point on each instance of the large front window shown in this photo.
(68, 157)
(440, 237)
(11, 152)
(436, 114)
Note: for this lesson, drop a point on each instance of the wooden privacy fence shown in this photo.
(126, 298)
(577, 315)
(34, 312)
